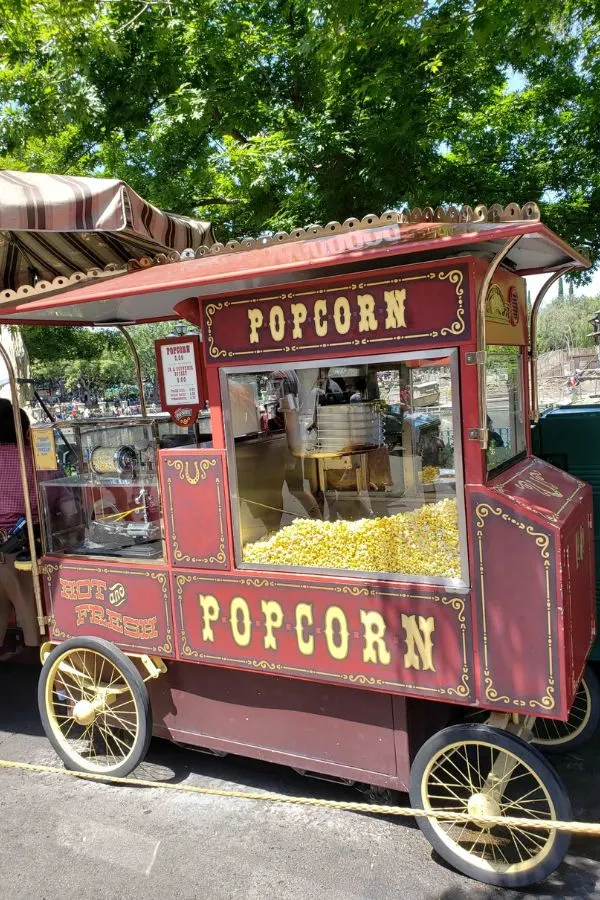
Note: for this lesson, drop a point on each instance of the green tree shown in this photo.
(265, 114)
(565, 323)
(87, 361)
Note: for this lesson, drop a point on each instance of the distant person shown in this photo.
(16, 588)
(360, 390)
(494, 437)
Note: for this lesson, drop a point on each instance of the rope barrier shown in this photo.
(587, 828)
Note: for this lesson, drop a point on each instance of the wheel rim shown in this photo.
(92, 710)
(480, 778)
(549, 731)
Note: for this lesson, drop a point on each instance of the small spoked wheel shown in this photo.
(553, 736)
(94, 707)
(485, 771)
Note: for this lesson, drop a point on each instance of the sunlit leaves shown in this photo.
(266, 114)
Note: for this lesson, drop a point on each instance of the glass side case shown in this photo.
(98, 486)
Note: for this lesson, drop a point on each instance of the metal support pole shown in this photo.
(534, 411)
(35, 572)
(138, 368)
(482, 432)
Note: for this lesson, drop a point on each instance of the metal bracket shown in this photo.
(153, 665)
(476, 358)
(477, 434)
(45, 650)
(46, 620)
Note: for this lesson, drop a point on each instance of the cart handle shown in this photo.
(534, 410)
(481, 433)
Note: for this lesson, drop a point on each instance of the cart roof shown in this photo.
(155, 293)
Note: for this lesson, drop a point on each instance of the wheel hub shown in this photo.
(483, 805)
(85, 712)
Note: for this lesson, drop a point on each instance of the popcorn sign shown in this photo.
(179, 367)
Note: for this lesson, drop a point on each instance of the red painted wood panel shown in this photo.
(345, 732)
(397, 309)
(126, 604)
(534, 605)
(195, 508)
(404, 640)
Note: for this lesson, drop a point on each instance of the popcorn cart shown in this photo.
(336, 583)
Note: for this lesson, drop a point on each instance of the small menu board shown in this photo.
(44, 449)
(180, 377)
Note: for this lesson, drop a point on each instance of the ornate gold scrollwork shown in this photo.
(542, 542)
(183, 469)
(535, 481)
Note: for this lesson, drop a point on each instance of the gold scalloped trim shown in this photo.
(63, 282)
(452, 216)
(477, 215)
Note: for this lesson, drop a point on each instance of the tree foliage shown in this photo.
(86, 362)
(565, 324)
(266, 114)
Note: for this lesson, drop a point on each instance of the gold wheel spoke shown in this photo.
(471, 785)
(450, 791)
(447, 758)
(525, 804)
(536, 837)
(117, 740)
(502, 854)
(108, 737)
(517, 844)
(461, 804)
(448, 781)
(462, 830)
(68, 731)
(121, 705)
(67, 689)
(532, 849)
(125, 725)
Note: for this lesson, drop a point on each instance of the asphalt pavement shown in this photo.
(65, 839)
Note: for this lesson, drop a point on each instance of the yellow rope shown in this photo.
(587, 828)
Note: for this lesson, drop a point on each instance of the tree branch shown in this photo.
(214, 201)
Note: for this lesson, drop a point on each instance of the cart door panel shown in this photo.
(281, 720)
(193, 483)
(129, 606)
(534, 586)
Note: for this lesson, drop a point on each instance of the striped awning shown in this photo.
(58, 231)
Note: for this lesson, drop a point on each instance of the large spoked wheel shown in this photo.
(552, 736)
(94, 707)
(480, 770)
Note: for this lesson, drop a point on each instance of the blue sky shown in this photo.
(534, 282)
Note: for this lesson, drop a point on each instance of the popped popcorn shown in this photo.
(423, 541)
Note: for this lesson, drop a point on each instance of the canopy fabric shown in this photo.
(57, 230)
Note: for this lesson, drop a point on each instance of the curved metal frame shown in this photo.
(138, 367)
(35, 571)
(482, 432)
(534, 412)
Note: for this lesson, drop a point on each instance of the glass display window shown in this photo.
(353, 465)
(505, 407)
(100, 496)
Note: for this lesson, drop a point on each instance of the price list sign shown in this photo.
(179, 366)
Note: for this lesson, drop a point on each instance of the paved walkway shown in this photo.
(62, 839)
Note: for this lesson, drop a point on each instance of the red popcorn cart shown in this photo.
(360, 554)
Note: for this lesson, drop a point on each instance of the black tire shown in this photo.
(444, 748)
(554, 737)
(55, 707)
